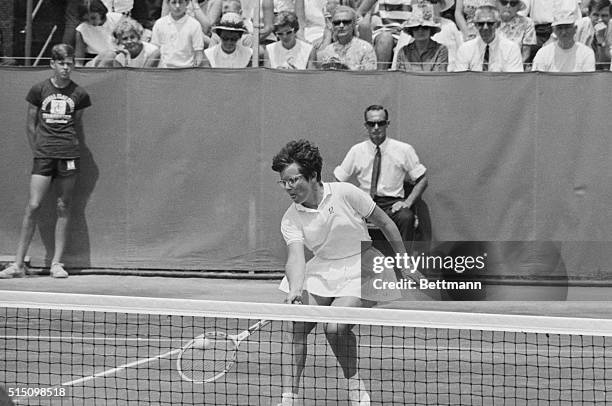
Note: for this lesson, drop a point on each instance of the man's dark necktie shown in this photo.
(375, 172)
(485, 59)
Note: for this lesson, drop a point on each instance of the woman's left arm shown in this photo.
(380, 219)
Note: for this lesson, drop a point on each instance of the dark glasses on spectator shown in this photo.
(232, 38)
(345, 22)
(283, 33)
(373, 124)
(513, 3)
(481, 24)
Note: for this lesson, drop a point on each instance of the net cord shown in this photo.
(305, 313)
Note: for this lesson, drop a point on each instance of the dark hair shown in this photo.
(301, 152)
(59, 52)
(375, 107)
(596, 5)
(286, 18)
(92, 6)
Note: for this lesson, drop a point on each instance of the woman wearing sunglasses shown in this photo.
(516, 27)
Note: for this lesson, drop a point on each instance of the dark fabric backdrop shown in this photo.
(176, 164)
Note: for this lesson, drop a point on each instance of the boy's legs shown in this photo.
(65, 186)
(39, 185)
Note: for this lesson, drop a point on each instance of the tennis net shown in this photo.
(90, 350)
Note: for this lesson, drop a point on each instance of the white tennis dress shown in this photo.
(334, 232)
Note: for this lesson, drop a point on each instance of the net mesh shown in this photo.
(59, 349)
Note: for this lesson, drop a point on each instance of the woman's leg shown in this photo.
(344, 345)
(295, 334)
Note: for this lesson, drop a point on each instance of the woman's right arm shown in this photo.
(460, 19)
(294, 270)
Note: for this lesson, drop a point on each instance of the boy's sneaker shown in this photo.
(13, 271)
(57, 270)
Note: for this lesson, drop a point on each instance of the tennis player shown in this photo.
(328, 219)
(54, 113)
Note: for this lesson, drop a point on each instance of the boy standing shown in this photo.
(179, 38)
(55, 111)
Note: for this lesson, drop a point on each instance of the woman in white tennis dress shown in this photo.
(329, 220)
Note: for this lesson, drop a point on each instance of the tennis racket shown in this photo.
(209, 356)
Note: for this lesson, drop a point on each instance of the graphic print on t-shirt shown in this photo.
(57, 108)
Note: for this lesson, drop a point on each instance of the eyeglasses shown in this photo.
(373, 124)
(230, 38)
(513, 3)
(345, 22)
(291, 182)
(482, 24)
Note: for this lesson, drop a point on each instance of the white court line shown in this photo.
(74, 338)
(108, 372)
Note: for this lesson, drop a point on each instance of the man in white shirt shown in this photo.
(381, 166)
(489, 51)
(541, 12)
(179, 38)
(565, 54)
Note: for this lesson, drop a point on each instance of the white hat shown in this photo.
(230, 22)
(564, 16)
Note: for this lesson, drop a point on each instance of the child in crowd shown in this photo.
(179, 37)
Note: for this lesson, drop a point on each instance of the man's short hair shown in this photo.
(346, 9)
(375, 107)
(303, 153)
(286, 18)
(489, 9)
(596, 5)
(59, 52)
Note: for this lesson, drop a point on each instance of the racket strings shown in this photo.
(209, 357)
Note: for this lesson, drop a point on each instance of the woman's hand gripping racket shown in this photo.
(209, 356)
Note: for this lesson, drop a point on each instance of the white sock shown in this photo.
(358, 395)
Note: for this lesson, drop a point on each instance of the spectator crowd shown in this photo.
(404, 35)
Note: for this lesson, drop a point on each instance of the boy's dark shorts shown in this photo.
(56, 167)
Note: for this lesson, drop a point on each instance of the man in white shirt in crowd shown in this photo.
(489, 51)
(541, 12)
(381, 165)
(565, 54)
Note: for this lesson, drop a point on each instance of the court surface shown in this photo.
(132, 360)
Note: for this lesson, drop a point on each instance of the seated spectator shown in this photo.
(229, 53)
(290, 52)
(516, 27)
(465, 10)
(423, 54)
(94, 35)
(235, 6)
(564, 54)
(386, 24)
(599, 20)
(179, 38)
(489, 51)
(131, 51)
(541, 13)
(348, 52)
(449, 35)
(205, 13)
